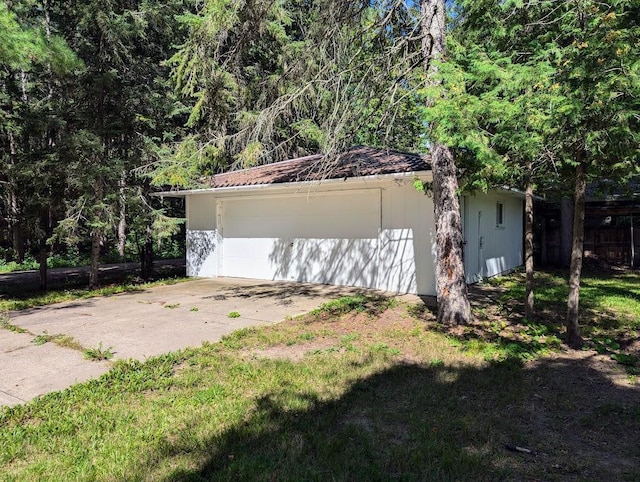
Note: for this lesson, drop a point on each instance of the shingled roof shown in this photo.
(358, 162)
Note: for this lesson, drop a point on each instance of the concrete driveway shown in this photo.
(141, 325)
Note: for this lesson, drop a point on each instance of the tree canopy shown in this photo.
(102, 101)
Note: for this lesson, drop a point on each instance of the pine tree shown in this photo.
(453, 301)
(122, 110)
(268, 81)
(535, 89)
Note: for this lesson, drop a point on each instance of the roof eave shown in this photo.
(287, 185)
(519, 193)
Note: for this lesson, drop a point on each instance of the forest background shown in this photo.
(103, 103)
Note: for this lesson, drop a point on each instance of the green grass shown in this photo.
(373, 398)
(209, 413)
(44, 337)
(99, 353)
(609, 309)
(20, 300)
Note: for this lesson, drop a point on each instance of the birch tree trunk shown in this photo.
(15, 223)
(122, 223)
(453, 300)
(94, 270)
(96, 239)
(13, 207)
(528, 248)
(573, 330)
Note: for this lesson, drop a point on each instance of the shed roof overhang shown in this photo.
(328, 184)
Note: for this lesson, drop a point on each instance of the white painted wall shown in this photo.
(407, 241)
(380, 235)
(491, 249)
(318, 237)
(203, 239)
(201, 212)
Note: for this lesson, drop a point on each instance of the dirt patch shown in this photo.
(292, 353)
(330, 333)
(577, 413)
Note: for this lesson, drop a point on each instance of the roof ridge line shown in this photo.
(310, 156)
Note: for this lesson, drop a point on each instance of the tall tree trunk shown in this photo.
(17, 230)
(94, 269)
(146, 255)
(42, 271)
(544, 252)
(96, 238)
(122, 223)
(528, 247)
(14, 218)
(573, 330)
(46, 225)
(453, 300)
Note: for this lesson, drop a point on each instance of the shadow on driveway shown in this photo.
(143, 324)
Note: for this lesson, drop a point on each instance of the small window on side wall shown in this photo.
(500, 214)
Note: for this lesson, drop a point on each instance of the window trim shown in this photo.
(500, 214)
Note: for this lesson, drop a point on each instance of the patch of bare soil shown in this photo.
(292, 353)
(575, 414)
(366, 325)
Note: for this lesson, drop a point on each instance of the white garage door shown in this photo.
(321, 238)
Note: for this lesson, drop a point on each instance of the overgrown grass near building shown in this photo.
(362, 389)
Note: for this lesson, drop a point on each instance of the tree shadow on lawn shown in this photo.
(416, 422)
(597, 322)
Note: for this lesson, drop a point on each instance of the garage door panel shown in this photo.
(271, 218)
(330, 239)
(330, 261)
(313, 205)
(255, 226)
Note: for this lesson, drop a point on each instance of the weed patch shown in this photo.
(5, 324)
(370, 304)
(367, 397)
(43, 338)
(99, 353)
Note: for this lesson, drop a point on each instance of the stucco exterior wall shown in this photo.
(492, 248)
(203, 240)
(376, 234)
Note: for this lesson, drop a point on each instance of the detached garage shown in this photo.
(356, 222)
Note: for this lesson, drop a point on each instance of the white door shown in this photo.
(324, 238)
(480, 270)
(464, 214)
(473, 242)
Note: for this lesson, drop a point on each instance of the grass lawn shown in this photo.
(15, 298)
(365, 389)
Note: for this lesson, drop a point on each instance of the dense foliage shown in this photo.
(85, 100)
(270, 80)
(101, 100)
(543, 92)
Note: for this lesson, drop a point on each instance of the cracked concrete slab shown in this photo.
(28, 370)
(140, 325)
